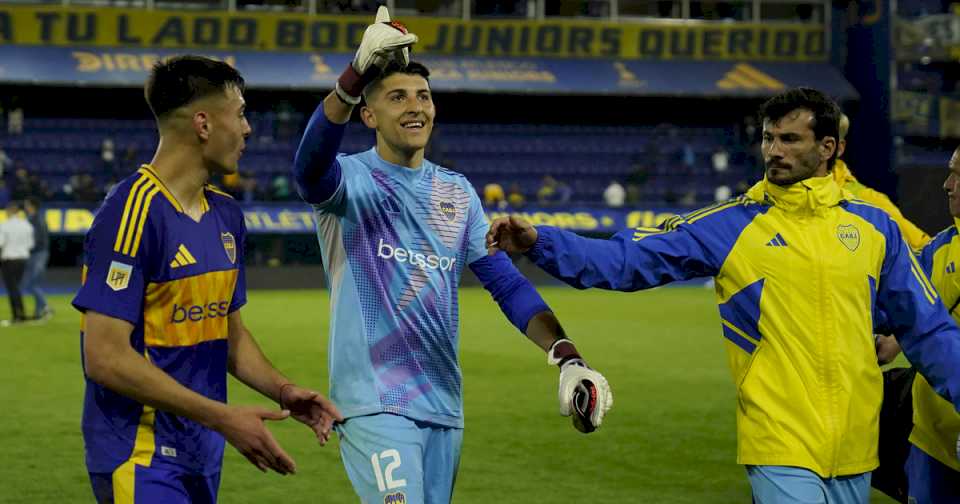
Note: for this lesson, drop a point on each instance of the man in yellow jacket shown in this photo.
(799, 266)
(914, 236)
(933, 469)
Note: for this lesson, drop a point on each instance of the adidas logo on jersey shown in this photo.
(183, 258)
(777, 241)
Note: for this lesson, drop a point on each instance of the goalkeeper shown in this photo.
(396, 232)
(799, 269)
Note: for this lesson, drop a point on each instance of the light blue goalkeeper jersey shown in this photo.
(395, 241)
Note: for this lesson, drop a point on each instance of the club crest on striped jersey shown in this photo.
(229, 246)
(448, 210)
(849, 236)
(118, 276)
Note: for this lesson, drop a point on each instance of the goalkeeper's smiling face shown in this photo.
(401, 109)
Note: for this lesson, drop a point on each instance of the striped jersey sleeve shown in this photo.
(117, 250)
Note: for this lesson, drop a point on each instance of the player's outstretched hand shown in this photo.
(243, 427)
(382, 42)
(312, 409)
(511, 234)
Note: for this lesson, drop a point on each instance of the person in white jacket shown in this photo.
(16, 241)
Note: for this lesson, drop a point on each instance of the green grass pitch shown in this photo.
(670, 437)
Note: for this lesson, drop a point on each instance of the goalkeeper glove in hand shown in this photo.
(382, 42)
(583, 393)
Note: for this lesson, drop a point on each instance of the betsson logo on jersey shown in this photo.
(422, 261)
(196, 313)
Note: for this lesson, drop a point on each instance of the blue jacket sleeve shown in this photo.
(631, 260)
(926, 332)
(517, 298)
(315, 166)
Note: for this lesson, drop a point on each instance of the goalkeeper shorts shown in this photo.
(795, 485)
(137, 484)
(391, 459)
(929, 481)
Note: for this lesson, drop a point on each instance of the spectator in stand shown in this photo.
(614, 195)
(280, 188)
(5, 162)
(547, 193)
(107, 155)
(638, 176)
(233, 184)
(250, 192)
(564, 193)
(721, 160)
(494, 197)
(85, 190)
(22, 187)
(687, 156)
(515, 198)
(15, 121)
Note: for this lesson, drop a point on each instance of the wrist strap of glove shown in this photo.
(563, 352)
(351, 84)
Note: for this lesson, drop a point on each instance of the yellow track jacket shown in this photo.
(936, 423)
(915, 236)
(799, 271)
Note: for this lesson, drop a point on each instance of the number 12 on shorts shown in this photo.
(385, 479)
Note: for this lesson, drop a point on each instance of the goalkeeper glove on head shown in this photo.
(383, 41)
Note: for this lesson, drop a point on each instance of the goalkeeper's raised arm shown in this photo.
(315, 167)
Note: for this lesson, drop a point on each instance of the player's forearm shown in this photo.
(127, 373)
(544, 329)
(517, 298)
(248, 364)
(336, 110)
(619, 263)
(315, 167)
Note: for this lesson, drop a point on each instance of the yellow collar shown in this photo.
(842, 173)
(812, 194)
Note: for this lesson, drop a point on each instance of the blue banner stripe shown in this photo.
(128, 67)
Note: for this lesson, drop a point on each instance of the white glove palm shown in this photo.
(585, 394)
(382, 42)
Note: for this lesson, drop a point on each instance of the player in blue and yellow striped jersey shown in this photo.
(933, 468)
(800, 268)
(163, 284)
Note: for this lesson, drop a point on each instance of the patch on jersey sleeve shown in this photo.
(229, 246)
(118, 276)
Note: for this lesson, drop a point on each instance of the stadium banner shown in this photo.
(54, 25)
(129, 66)
(298, 218)
(912, 113)
(925, 114)
(928, 38)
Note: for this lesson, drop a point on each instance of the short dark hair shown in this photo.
(180, 80)
(395, 67)
(33, 201)
(826, 113)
